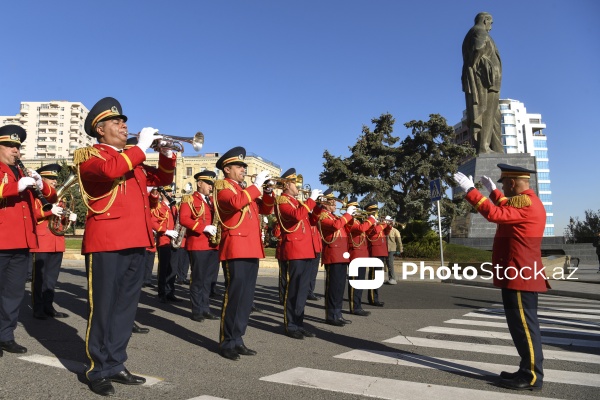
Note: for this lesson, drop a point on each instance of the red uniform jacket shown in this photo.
(357, 238)
(316, 236)
(277, 234)
(296, 233)
(47, 241)
(517, 243)
(239, 210)
(334, 236)
(116, 185)
(17, 220)
(162, 220)
(195, 214)
(377, 239)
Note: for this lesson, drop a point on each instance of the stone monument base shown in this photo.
(474, 225)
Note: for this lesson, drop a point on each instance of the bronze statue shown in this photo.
(481, 79)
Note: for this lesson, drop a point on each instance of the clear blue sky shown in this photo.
(288, 79)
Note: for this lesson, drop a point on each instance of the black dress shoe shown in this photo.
(313, 297)
(40, 315)
(377, 304)
(173, 298)
(230, 354)
(102, 386)
(335, 322)
(518, 383)
(208, 315)
(197, 317)
(362, 313)
(345, 321)
(306, 333)
(12, 347)
(244, 351)
(127, 378)
(139, 329)
(56, 314)
(295, 334)
(508, 375)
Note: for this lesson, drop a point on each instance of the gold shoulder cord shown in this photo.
(378, 237)
(82, 155)
(279, 218)
(220, 185)
(189, 200)
(336, 234)
(362, 236)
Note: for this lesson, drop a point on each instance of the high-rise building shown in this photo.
(522, 133)
(54, 128)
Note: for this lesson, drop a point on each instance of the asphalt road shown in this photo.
(406, 350)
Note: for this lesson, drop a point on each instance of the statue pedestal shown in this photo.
(474, 225)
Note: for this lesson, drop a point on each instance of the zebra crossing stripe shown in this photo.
(561, 299)
(545, 328)
(506, 336)
(207, 397)
(383, 388)
(547, 313)
(491, 349)
(73, 366)
(586, 311)
(464, 366)
(544, 320)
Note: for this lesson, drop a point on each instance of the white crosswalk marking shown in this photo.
(545, 328)
(472, 367)
(382, 388)
(479, 314)
(73, 366)
(506, 336)
(546, 313)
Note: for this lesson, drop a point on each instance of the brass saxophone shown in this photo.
(180, 229)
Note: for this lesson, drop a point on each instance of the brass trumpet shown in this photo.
(174, 142)
(276, 183)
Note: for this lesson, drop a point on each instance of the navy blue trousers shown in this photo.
(298, 281)
(520, 309)
(314, 273)
(149, 266)
(114, 285)
(335, 282)
(205, 269)
(166, 270)
(181, 263)
(240, 282)
(13, 276)
(282, 280)
(46, 267)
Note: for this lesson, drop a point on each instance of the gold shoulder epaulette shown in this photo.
(84, 154)
(282, 200)
(520, 201)
(186, 198)
(322, 216)
(222, 184)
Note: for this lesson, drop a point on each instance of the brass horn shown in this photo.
(175, 142)
(59, 225)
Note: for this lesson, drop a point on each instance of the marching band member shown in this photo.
(163, 222)
(314, 268)
(358, 248)
(47, 258)
(240, 248)
(298, 250)
(377, 243)
(196, 214)
(17, 235)
(335, 246)
(118, 231)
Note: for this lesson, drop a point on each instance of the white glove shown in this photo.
(351, 210)
(25, 182)
(38, 179)
(73, 217)
(172, 234)
(315, 193)
(261, 178)
(146, 137)
(56, 210)
(166, 152)
(488, 183)
(210, 229)
(463, 181)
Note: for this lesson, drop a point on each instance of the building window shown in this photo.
(543, 165)
(544, 187)
(543, 176)
(541, 153)
(539, 144)
(189, 171)
(546, 198)
(548, 208)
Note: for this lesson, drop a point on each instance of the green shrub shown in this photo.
(426, 247)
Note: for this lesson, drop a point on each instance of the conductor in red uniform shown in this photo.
(196, 214)
(516, 256)
(47, 258)
(118, 230)
(377, 243)
(298, 251)
(17, 231)
(335, 255)
(238, 211)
